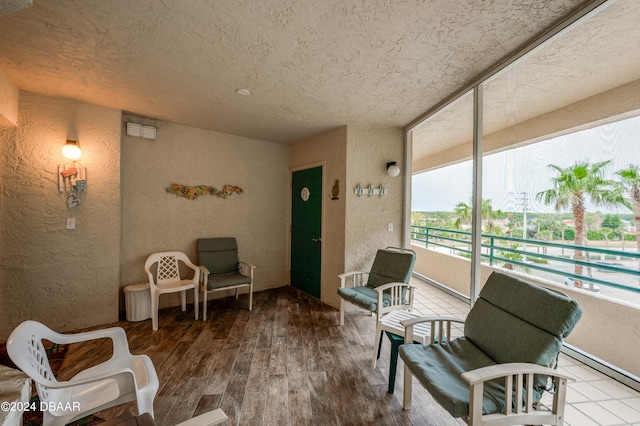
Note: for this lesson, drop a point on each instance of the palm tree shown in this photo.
(571, 187)
(489, 214)
(631, 182)
(463, 212)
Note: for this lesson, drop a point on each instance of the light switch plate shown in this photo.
(71, 223)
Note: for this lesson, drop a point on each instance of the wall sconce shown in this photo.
(72, 177)
(393, 169)
(71, 150)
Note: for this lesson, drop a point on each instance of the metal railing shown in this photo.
(517, 252)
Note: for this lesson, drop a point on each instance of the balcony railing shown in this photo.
(525, 253)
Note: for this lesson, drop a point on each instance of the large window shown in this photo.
(567, 109)
(523, 230)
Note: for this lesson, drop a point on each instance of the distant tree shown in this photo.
(612, 221)
(510, 257)
(463, 212)
(569, 234)
(592, 221)
(630, 178)
(595, 235)
(571, 186)
(549, 226)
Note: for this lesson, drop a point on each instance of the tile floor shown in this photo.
(593, 399)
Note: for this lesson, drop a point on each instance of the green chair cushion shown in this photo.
(514, 321)
(364, 297)
(548, 310)
(391, 266)
(226, 280)
(506, 338)
(219, 255)
(439, 367)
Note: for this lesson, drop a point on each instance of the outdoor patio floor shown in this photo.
(593, 399)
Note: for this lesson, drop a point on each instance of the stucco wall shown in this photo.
(9, 95)
(607, 329)
(615, 104)
(368, 152)
(67, 279)
(329, 150)
(446, 269)
(154, 220)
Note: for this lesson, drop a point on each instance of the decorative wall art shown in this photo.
(370, 191)
(335, 190)
(193, 192)
(305, 194)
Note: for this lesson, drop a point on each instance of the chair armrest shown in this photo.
(400, 297)
(502, 370)
(358, 279)
(75, 380)
(387, 286)
(210, 418)
(414, 321)
(204, 270)
(247, 264)
(116, 334)
(523, 412)
(443, 327)
(246, 269)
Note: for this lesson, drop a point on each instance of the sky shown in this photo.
(508, 174)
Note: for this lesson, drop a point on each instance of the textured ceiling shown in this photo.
(310, 65)
(598, 54)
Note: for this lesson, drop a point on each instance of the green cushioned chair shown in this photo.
(515, 329)
(385, 288)
(222, 270)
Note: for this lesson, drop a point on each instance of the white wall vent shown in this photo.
(140, 131)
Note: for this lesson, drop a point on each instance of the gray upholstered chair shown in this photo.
(515, 329)
(221, 269)
(386, 287)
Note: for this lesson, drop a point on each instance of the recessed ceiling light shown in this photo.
(243, 92)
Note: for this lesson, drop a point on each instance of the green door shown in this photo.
(306, 229)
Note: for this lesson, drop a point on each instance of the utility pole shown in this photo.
(525, 208)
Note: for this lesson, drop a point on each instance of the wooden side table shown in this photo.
(390, 325)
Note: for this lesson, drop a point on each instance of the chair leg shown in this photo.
(154, 310)
(408, 381)
(393, 365)
(341, 311)
(145, 405)
(195, 300)
(251, 296)
(183, 297)
(237, 292)
(377, 347)
(204, 304)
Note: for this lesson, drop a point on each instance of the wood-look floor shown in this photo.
(287, 362)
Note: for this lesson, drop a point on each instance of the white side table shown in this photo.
(390, 324)
(137, 301)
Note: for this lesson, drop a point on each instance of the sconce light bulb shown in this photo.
(71, 150)
(393, 169)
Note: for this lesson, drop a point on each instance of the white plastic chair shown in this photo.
(167, 279)
(122, 378)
